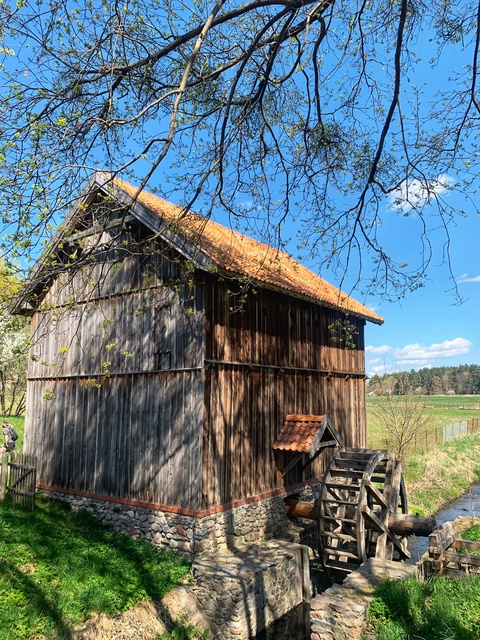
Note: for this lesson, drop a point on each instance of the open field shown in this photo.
(441, 410)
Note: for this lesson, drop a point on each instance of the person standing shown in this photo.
(9, 435)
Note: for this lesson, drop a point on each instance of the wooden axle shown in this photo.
(400, 524)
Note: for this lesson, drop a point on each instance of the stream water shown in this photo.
(466, 505)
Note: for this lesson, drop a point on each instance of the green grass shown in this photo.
(57, 566)
(473, 533)
(436, 473)
(455, 403)
(436, 477)
(437, 609)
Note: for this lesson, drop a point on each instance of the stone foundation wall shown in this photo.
(247, 523)
(244, 590)
(340, 612)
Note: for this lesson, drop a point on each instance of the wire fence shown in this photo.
(436, 436)
(459, 407)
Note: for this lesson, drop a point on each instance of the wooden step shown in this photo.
(340, 553)
(355, 453)
(339, 520)
(348, 464)
(346, 473)
(340, 566)
(341, 487)
(335, 501)
(338, 536)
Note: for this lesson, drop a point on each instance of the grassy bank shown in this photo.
(435, 478)
(58, 566)
(435, 474)
(438, 609)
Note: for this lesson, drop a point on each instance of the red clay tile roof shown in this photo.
(239, 254)
(298, 433)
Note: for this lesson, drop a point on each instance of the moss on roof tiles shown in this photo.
(246, 257)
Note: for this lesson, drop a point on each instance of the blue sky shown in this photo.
(428, 328)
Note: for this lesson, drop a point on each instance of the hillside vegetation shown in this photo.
(435, 473)
(437, 477)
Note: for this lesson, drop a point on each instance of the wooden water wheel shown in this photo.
(362, 491)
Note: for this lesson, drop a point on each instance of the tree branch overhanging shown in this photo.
(268, 110)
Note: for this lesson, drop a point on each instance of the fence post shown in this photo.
(4, 476)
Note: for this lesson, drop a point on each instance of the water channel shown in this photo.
(466, 505)
(295, 626)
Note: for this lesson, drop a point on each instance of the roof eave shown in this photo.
(301, 296)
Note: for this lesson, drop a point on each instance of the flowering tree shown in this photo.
(14, 337)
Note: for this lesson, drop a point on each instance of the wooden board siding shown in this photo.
(112, 330)
(274, 357)
(135, 437)
(245, 410)
(115, 390)
(277, 330)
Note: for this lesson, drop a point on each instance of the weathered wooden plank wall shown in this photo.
(142, 387)
(135, 437)
(274, 357)
(115, 399)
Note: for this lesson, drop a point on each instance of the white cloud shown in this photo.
(380, 370)
(415, 194)
(467, 278)
(445, 349)
(415, 356)
(378, 350)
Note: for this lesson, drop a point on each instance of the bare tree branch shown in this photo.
(272, 111)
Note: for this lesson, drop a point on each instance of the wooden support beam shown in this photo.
(378, 525)
(375, 493)
(400, 524)
(4, 476)
(461, 558)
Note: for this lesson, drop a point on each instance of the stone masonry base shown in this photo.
(253, 522)
(244, 590)
(340, 612)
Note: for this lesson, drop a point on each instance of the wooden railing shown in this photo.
(449, 554)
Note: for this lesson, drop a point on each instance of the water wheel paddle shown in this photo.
(361, 489)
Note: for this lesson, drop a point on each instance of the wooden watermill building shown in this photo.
(167, 352)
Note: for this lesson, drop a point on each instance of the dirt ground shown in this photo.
(147, 620)
(142, 622)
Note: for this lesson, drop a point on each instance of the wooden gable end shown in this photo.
(115, 381)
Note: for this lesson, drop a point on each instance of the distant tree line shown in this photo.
(460, 380)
